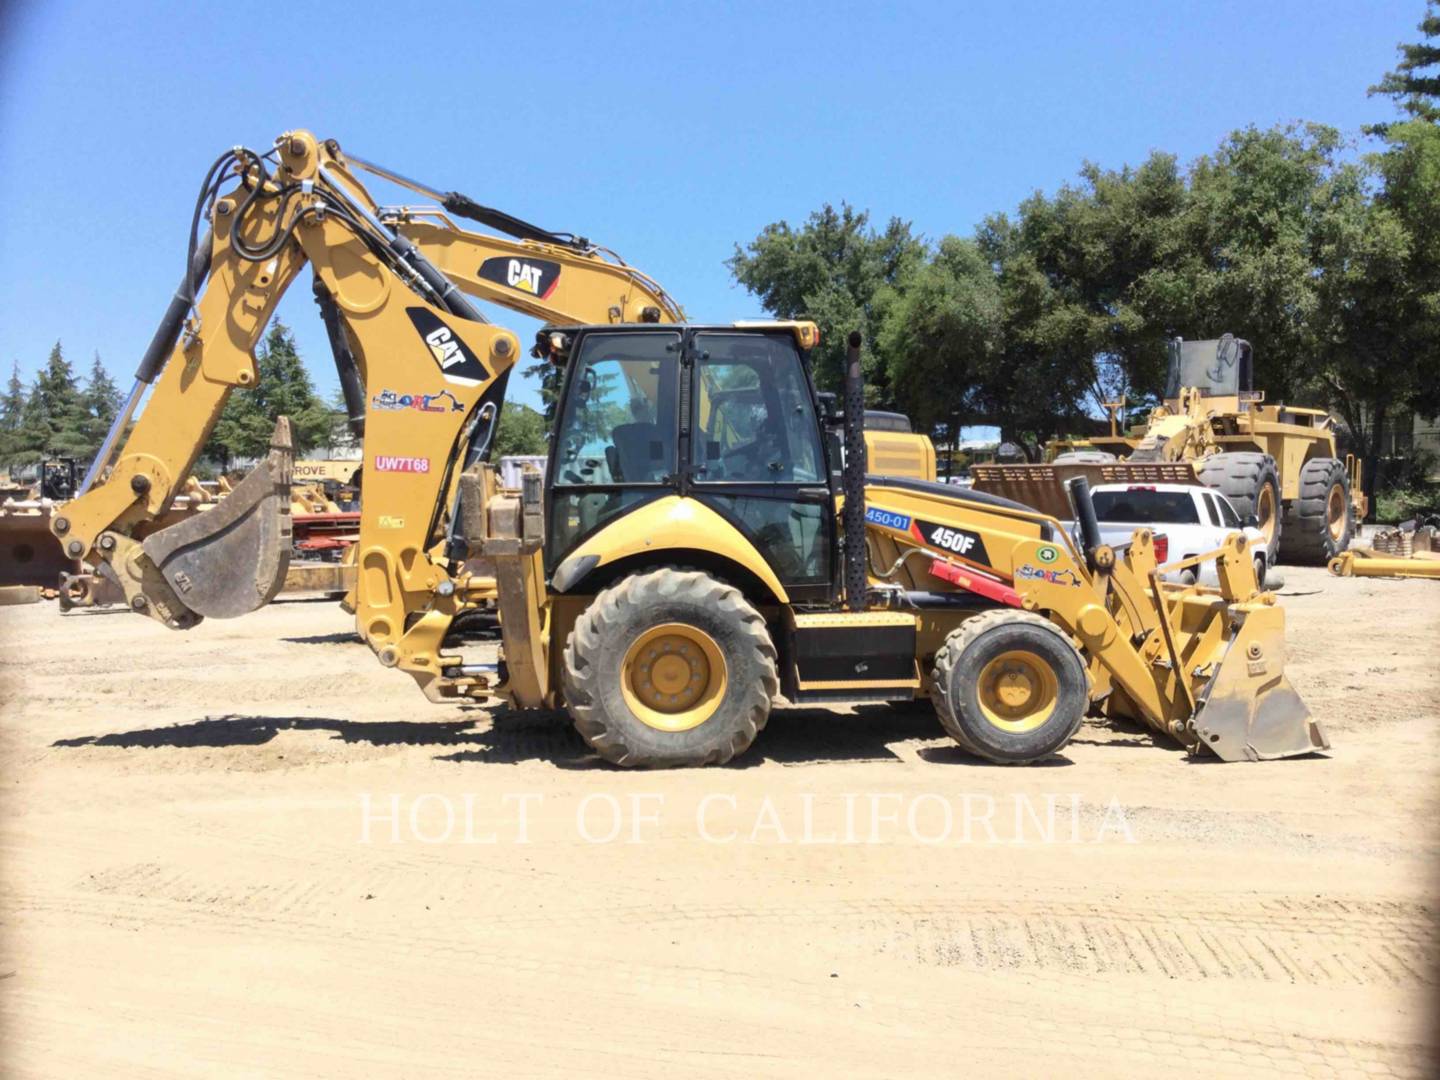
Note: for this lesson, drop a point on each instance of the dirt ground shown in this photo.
(250, 850)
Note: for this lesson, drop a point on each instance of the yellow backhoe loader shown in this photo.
(1277, 463)
(696, 546)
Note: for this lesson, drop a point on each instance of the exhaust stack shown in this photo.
(853, 478)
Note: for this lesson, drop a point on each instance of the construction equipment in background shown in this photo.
(324, 508)
(690, 550)
(1411, 549)
(894, 448)
(1277, 463)
(336, 475)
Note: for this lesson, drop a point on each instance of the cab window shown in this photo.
(1212, 511)
(754, 420)
(620, 416)
(1144, 505)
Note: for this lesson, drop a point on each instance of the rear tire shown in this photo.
(1251, 484)
(1320, 523)
(670, 668)
(1009, 687)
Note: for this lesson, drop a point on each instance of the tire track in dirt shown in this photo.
(1320, 941)
(613, 981)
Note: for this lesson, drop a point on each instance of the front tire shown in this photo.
(1320, 523)
(1009, 687)
(1251, 484)
(670, 668)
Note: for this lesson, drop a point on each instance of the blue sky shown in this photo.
(666, 131)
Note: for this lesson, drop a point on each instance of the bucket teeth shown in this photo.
(232, 559)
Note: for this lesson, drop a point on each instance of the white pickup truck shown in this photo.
(1193, 520)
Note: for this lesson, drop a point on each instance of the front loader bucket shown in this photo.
(1249, 711)
(232, 559)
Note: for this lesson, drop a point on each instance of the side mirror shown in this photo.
(829, 414)
(1250, 521)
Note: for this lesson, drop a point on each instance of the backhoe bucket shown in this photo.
(232, 559)
(1249, 711)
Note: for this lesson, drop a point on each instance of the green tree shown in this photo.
(942, 334)
(1379, 335)
(1094, 276)
(522, 431)
(283, 388)
(101, 401)
(12, 415)
(1035, 385)
(1415, 82)
(1256, 213)
(54, 420)
(837, 270)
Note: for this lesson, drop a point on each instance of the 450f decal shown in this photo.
(962, 542)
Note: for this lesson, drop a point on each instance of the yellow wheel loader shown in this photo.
(697, 545)
(1276, 463)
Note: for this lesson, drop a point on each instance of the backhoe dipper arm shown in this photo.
(558, 277)
(428, 368)
(559, 284)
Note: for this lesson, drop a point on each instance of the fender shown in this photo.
(672, 522)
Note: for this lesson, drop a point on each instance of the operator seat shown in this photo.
(638, 454)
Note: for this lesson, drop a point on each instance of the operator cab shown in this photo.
(1219, 368)
(726, 415)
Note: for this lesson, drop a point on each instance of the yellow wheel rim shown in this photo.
(1335, 512)
(673, 677)
(1265, 512)
(1018, 691)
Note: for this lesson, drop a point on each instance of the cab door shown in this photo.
(616, 438)
(754, 454)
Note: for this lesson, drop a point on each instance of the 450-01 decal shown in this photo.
(962, 542)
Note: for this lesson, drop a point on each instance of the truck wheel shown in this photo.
(1251, 483)
(1319, 524)
(669, 668)
(1009, 687)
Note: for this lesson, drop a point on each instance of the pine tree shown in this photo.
(12, 405)
(54, 419)
(282, 389)
(12, 415)
(101, 401)
(1415, 82)
(101, 398)
(285, 389)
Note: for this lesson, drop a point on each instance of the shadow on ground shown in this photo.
(235, 730)
(343, 637)
(794, 736)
